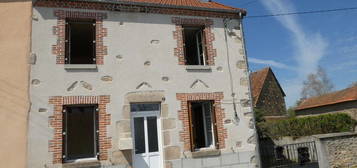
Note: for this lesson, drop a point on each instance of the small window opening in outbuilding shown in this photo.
(279, 152)
(194, 45)
(80, 41)
(80, 132)
(203, 129)
(303, 155)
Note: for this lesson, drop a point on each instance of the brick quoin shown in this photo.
(55, 121)
(217, 97)
(178, 35)
(59, 30)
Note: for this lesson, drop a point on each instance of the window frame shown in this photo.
(203, 44)
(67, 48)
(214, 144)
(65, 135)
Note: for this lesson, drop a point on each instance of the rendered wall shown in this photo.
(14, 106)
(140, 58)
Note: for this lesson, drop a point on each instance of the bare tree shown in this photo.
(353, 84)
(316, 84)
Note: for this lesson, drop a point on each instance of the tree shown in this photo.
(353, 84)
(291, 112)
(316, 84)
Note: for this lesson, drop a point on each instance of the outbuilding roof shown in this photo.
(345, 95)
(258, 79)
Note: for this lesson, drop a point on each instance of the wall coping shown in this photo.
(332, 135)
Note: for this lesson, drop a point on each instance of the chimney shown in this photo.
(205, 0)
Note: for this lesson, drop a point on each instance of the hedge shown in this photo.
(305, 126)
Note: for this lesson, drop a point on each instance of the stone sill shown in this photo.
(206, 153)
(198, 68)
(82, 164)
(80, 66)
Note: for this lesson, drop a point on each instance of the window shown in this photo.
(194, 45)
(80, 41)
(202, 125)
(80, 132)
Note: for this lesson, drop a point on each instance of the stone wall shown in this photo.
(337, 150)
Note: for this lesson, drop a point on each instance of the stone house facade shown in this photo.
(267, 93)
(139, 84)
(343, 101)
(15, 44)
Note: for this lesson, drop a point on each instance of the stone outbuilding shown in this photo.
(342, 101)
(267, 93)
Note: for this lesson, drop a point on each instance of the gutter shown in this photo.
(123, 2)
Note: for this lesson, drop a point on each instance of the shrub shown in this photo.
(297, 127)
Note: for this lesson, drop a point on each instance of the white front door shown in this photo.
(146, 134)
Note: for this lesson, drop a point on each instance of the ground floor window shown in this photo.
(80, 132)
(203, 125)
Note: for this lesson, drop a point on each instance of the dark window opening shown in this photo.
(80, 132)
(80, 41)
(203, 128)
(194, 45)
(303, 155)
(279, 151)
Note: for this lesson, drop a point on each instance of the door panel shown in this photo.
(139, 135)
(152, 134)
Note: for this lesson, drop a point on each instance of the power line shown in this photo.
(304, 12)
(248, 3)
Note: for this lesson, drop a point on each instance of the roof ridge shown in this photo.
(346, 94)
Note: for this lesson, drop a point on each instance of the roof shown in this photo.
(345, 95)
(258, 79)
(187, 3)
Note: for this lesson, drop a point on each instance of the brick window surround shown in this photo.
(183, 115)
(209, 36)
(55, 121)
(59, 31)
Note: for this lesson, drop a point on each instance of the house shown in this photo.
(342, 101)
(15, 33)
(139, 83)
(267, 93)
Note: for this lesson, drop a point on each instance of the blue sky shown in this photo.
(295, 45)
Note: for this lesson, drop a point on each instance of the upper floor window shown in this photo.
(194, 45)
(80, 41)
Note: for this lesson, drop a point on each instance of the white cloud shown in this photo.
(270, 63)
(309, 47)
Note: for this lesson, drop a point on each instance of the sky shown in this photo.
(295, 45)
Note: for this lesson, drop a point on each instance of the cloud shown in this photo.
(270, 63)
(309, 47)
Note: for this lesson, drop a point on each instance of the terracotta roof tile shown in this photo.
(345, 95)
(188, 3)
(257, 81)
